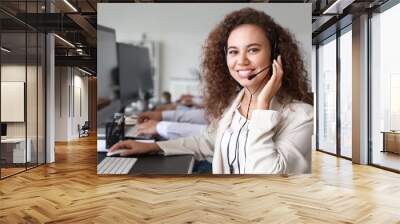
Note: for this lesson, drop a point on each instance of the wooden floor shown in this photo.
(69, 191)
(10, 171)
(387, 159)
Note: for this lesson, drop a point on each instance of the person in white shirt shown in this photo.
(172, 124)
(195, 116)
(185, 102)
(266, 127)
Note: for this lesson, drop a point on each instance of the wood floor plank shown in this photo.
(69, 191)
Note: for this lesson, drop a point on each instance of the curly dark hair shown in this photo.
(220, 88)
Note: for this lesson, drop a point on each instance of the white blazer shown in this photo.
(279, 140)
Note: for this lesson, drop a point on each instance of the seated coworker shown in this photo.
(266, 127)
(172, 124)
(170, 130)
(166, 97)
(185, 102)
(195, 116)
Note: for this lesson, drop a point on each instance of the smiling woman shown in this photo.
(257, 102)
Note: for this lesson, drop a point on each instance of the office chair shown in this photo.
(84, 130)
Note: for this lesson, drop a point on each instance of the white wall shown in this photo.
(61, 103)
(80, 84)
(181, 29)
(33, 126)
(67, 115)
(12, 73)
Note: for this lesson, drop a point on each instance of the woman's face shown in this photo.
(248, 52)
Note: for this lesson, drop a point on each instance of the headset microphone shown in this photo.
(254, 75)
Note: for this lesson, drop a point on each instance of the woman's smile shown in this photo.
(245, 73)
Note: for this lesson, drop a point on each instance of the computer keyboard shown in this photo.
(115, 165)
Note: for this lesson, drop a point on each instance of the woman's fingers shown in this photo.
(143, 117)
(274, 70)
(280, 60)
(128, 152)
(139, 129)
(115, 146)
(279, 67)
(120, 145)
(142, 129)
(129, 145)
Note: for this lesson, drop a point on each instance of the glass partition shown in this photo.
(41, 96)
(346, 93)
(31, 98)
(327, 96)
(13, 109)
(385, 89)
(22, 88)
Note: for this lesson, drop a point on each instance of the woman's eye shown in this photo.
(253, 50)
(232, 52)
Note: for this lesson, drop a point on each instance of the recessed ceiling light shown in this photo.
(337, 7)
(70, 5)
(64, 40)
(84, 71)
(5, 50)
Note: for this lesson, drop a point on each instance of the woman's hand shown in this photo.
(272, 87)
(148, 128)
(149, 115)
(134, 148)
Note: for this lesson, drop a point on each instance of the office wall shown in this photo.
(61, 103)
(81, 104)
(71, 102)
(33, 126)
(181, 29)
(14, 73)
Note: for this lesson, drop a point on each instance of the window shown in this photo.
(346, 75)
(327, 96)
(385, 89)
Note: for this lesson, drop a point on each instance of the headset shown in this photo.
(274, 56)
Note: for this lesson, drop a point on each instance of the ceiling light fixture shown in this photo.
(70, 5)
(84, 71)
(5, 50)
(337, 7)
(64, 40)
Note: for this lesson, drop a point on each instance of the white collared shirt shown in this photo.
(233, 143)
(194, 116)
(174, 130)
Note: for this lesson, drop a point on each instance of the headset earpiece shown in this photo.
(274, 44)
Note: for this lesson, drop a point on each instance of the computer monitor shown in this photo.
(108, 99)
(135, 72)
(3, 129)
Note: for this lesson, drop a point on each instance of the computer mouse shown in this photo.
(116, 152)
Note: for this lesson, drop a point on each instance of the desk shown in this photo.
(158, 164)
(13, 150)
(391, 141)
